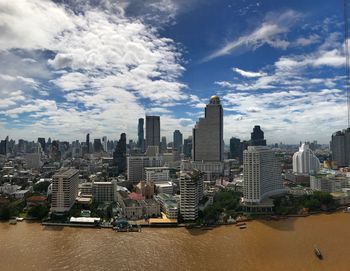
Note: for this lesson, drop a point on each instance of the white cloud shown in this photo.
(248, 74)
(269, 33)
(312, 39)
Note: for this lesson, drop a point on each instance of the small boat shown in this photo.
(240, 224)
(13, 222)
(318, 253)
(20, 219)
(347, 210)
(242, 227)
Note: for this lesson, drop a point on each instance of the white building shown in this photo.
(157, 174)
(305, 161)
(191, 192)
(261, 174)
(137, 164)
(64, 190)
(103, 191)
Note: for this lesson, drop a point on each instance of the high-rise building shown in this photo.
(340, 147)
(208, 143)
(152, 131)
(235, 148)
(140, 135)
(64, 190)
(119, 155)
(191, 192)
(41, 140)
(305, 161)
(104, 143)
(55, 151)
(187, 148)
(97, 145)
(103, 192)
(163, 145)
(257, 137)
(88, 143)
(261, 174)
(177, 144)
(4, 146)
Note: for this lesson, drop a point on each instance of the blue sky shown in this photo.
(67, 69)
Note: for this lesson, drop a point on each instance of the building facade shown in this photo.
(305, 161)
(340, 148)
(261, 174)
(64, 190)
(208, 143)
(152, 131)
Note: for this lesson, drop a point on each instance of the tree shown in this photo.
(41, 186)
(39, 211)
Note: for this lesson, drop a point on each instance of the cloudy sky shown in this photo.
(67, 69)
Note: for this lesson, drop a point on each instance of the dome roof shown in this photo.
(214, 100)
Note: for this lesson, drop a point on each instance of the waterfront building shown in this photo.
(340, 148)
(177, 140)
(257, 137)
(140, 135)
(152, 131)
(157, 174)
(191, 192)
(261, 174)
(146, 189)
(168, 205)
(85, 190)
(64, 190)
(103, 192)
(329, 182)
(137, 164)
(305, 161)
(208, 143)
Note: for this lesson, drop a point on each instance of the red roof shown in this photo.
(37, 198)
(135, 196)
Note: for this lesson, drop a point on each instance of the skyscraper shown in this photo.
(104, 143)
(261, 174)
(187, 148)
(163, 145)
(119, 155)
(152, 131)
(41, 140)
(141, 136)
(97, 145)
(235, 148)
(340, 147)
(257, 137)
(88, 143)
(177, 143)
(305, 161)
(208, 143)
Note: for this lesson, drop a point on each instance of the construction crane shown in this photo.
(347, 57)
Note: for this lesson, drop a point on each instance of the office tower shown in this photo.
(208, 143)
(22, 146)
(152, 131)
(257, 137)
(305, 161)
(163, 145)
(187, 148)
(41, 140)
(235, 148)
(141, 135)
(64, 190)
(97, 145)
(119, 154)
(55, 151)
(4, 146)
(340, 147)
(104, 143)
(261, 174)
(191, 192)
(88, 143)
(137, 164)
(177, 143)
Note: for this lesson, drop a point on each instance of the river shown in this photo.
(263, 245)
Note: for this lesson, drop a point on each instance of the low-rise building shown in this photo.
(168, 205)
(103, 192)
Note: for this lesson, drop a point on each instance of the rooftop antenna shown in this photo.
(347, 56)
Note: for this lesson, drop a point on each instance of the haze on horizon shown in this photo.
(68, 69)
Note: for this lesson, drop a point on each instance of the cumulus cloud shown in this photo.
(248, 74)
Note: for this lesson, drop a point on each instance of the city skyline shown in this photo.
(97, 69)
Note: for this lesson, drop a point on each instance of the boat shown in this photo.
(242, 227)
(241, 224)
(20, 219)
(13, 222)
(318, 253)
(347, 210)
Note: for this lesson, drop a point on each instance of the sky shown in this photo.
(68, 67)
